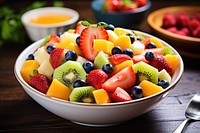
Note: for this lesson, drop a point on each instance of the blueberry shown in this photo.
(78, 40)
(149, 56)
(107, 68)
(88, 66)
(79, 83)
(30, 57)
(70, 55)
(128, 52)
(50, 48)
(136, 92)
(110, 27)
(163, 83)
(131, 37)
(116, 50)
(151, 45)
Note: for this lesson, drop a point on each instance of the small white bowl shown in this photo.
(95, 114)
(39, 31)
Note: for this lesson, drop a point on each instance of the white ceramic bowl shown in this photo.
(37, 31)
(94, 114)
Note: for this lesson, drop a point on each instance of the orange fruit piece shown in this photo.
(103, 45)
(149, 88)
(27, 69)
(172, 60)
(123, 41)
(122, 65)
(157, 42)
(101, 96)
(58, 90)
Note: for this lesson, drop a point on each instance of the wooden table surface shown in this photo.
(20, 113)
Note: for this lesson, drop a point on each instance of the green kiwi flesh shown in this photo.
(68, 72)
(82, 94)
(145, 71)
(101, 59)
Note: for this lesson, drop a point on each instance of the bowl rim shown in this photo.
(152, 15)
(141, 9)
(165, 91)
(74, 16)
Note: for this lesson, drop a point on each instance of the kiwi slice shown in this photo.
(68, 72)
(145, 71)
(82, 94)
(101, 59)
(167, 50)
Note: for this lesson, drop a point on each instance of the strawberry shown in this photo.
(120, 95)
(160, 63)
(52, 40)
(119, 58)
(79, 28)
(125, 79)
(40, 82)
(57, 57)
(86, 40)
(96, 78)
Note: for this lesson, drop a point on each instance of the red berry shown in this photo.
(40, 82)
(96, 78)
(182, 19)
(120, 95)
(172, 29)
(86, 40)
(193, 24)
(57, 57)
(186, 31)
(196, 32)
(125, 79)
(79, 28)
(169, 20)
(53, 39)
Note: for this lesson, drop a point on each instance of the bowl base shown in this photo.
(94, 125)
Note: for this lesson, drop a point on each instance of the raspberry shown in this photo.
(172, 29)
(196, 32)
(186, 31)
(169, 20)
(182, 19)
(193, 24)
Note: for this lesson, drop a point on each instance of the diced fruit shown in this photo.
(82, 94)
(163, 74)
(112, 36)
(57, 57)
(96, 78)
(58, 90)
(120, 95)
(125, 79)
(156, 41)
(79, 28)
(122, 31)
(68, 72)
(41, 55)
(101, 96)
(122, 65)
(80, 59)
(139, 58)
(159, 51)
(27, 69)
(46, 69)
(119, 58)
(173, 61)
(86, 40)
(145, 71)
(137, 47)
(71, 46)
(123, 41)
(149, 88)
(67, 38)
(103, 45)
(101, 59)
(40, 82)
(52, 40)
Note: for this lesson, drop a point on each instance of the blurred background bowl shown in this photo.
(185, 45)
(127, 19)
(38, 31)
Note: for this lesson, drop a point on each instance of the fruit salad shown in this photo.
(100, 64)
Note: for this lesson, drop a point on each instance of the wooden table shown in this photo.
(20, 113)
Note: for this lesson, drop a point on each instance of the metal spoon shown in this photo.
(192, 112)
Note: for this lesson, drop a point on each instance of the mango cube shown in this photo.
(101, 96)
(123, 41)
(103, 45)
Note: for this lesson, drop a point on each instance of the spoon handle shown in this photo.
(181, 126)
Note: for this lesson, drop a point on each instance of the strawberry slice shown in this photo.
(96, 78)
(79, 28)
(120, 95)
(138, 58)
(57, 57)
(119, 58)
(40, 82)
(52, 40)
(86, 40)
(125, 79)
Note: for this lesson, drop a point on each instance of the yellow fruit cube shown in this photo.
(173, 60)
(149, 88)
(122, 31)
(123, 41)
(27, 69)
(103, 45)
(71, 30)
(101, 96)
(157, 42)
(112, 36)
(58, 90)
(68, 37)
(122, 65)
